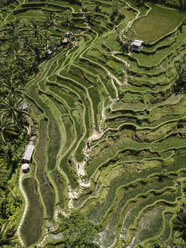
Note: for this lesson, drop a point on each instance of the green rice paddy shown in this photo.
(131, 117)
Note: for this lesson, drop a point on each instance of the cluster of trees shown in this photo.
(12, 118)
(77, 231)
(177, 75)
(180, 85)
(22, 48)
(179, 223)
(20, 57)
(179, 229)
(115, 15)
(4, 3)
(125, 38)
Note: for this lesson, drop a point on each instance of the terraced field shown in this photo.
(111, 128)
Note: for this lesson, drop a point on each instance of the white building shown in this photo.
(25, 168)
(136, 45)
(23, 106)
(27, 155)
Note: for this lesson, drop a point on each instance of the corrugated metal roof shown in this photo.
(138, 41)
(136, 44)
(27, 155)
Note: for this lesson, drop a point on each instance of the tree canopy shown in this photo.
(77, 231)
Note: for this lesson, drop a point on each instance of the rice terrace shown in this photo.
(93, 123)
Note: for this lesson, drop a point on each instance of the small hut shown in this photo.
(66, 39)
(49, 50)
(23, 106)
(136, 45)
(33, 131)
(67, 35)
(27, 155)
(25, 168)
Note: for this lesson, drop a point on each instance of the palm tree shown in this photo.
(181, 81)
(67, 19)
(7, 66)
(32, 44)
(90, 18)
(47, 36)
(140, 3)
(12, 87)
(7, 129)
(115, 5)
(126, 38)
(162, 174)
(179, 224)
(27, 45)
(7, 235)
(10, 110)
(35, 29)
(115, 8)
(52, 21)
(13, 31)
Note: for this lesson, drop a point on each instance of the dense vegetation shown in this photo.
(22, 50)
(111, 123)
(76, 231)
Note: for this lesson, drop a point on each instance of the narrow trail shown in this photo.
(129, 24)
(21, 176)
(103, 118)
(132, 242)
(85, 18)
(46, 233)
(80, 166)
(32, 141)
(114, 78)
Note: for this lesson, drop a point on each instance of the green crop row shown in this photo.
(31, 228)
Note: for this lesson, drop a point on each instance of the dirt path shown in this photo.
(32, 141)
(21, 176)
